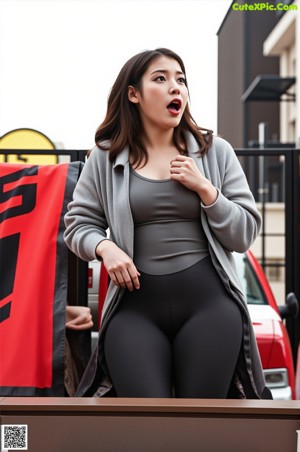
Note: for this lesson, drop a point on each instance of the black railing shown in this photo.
(289, 183)
(74, 154)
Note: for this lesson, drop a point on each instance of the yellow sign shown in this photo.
(27, 139)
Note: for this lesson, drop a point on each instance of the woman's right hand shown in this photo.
(119, 265)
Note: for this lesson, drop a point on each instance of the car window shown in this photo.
(250, 283)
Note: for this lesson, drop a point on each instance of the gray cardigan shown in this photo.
(101, 201)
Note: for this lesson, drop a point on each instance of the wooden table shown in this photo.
(154, 425)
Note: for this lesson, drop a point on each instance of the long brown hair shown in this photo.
(122, 125)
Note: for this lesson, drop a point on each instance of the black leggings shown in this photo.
(178, 335)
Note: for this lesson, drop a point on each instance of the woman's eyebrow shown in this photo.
(165, 71)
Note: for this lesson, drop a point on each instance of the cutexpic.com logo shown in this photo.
(266, 6)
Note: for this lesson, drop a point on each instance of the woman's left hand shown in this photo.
(78, 318)
(183, 169)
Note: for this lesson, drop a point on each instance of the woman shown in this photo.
(177, 203)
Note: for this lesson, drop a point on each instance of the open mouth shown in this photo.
(174, 106)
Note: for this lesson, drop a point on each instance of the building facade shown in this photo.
(240, 59)
(283, 42)
(258, 64)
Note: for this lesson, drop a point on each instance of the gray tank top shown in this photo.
(168, 235)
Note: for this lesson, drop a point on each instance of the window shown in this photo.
(250, 283)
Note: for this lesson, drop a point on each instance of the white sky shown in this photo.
(59, 58)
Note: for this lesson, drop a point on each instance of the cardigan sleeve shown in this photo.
(85, 220)
(233, 218)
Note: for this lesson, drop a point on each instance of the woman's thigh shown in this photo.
(138, 355)
(181, 328)
(206, 350)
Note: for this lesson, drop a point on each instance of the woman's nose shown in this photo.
(174, 89)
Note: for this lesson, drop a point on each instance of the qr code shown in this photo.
(14, 437)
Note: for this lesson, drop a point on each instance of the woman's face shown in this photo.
(163, 95)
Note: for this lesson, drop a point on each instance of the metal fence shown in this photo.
(274, 177)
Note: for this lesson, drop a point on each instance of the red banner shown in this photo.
(33, 277)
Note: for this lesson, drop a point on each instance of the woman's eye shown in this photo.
(182, 80)
(161, 78)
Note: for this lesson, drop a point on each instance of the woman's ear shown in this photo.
(132, 94)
